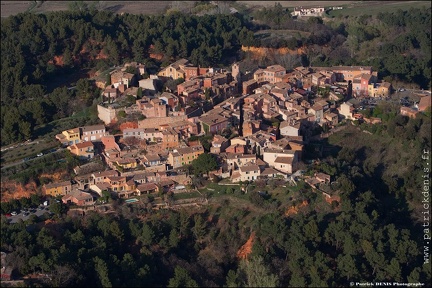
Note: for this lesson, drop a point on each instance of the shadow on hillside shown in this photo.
(46, 129)
(114, 8)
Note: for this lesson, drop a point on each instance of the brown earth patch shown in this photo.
(259, 52)
(332, 198)
(246, 249)
(294, 209)
(13, 190)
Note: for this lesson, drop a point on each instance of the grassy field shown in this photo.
(133, 7)
(31, 150)
(289, 4)
(353, 8)
(375, 7)
(13, 7)
(186, 195)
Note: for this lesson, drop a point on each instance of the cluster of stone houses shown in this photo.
(271, 111)
(79, 141)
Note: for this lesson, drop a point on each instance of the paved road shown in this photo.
(14, 219)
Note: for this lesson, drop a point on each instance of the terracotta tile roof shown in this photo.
(249, 168)
(284, 160)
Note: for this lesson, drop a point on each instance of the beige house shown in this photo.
(249, 172)
(238, 140)
(282, 160)
(237, 160)
(346, 110)
(332, 118)
(92, 133)
(288, 128)
(149, 134)
(175, 70)
(170, 138)
(274, 73)
(219, 144)
(83, 150)
(79, 198)
(120, 78)
(147, 188)
(318, 111)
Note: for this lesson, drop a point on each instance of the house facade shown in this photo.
(282, 160)
(249, 172)
(92, 133)
(79, 198)
(213, 123)
(58, 188)
(69, 137)
(84, 150)
(184, 156)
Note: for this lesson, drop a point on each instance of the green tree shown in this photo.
(174, 238)
(147, 235)
(199, 228)
(139, 93)
(181, 279)
(256, 274)
(57, 208)
(108, 80)
(204, 163)
(102, 271)
(232, 279)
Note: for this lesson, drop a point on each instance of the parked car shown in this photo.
(14, 213)
(8, 215)
(39, 154)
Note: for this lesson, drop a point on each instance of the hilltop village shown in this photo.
(257, 125)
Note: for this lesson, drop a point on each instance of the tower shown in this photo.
(236, 72)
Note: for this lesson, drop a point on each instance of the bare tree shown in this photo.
(288, 61)
(61, 276)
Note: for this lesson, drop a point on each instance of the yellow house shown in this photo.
(184, 156)
(69, 137)
(379, 89)
(59, 188)
(126, 163)
(175, 70)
